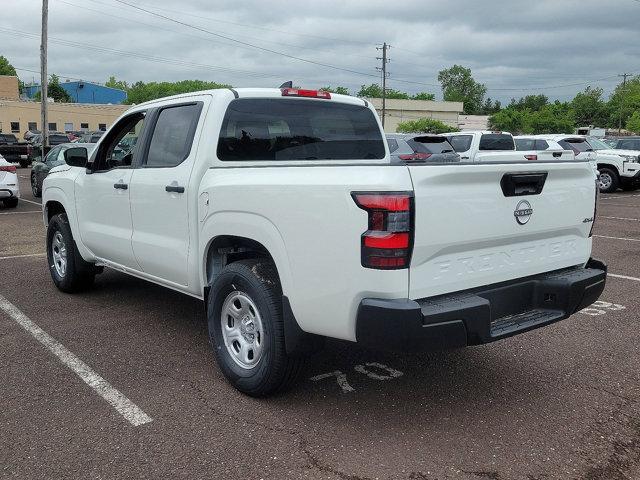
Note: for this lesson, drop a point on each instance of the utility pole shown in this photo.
(43, 77)
(383, 70)
(624, 86)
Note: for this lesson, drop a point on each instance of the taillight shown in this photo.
(531, 157)
(8, 168)
(388, 241)
(414, 157)
(299, 92)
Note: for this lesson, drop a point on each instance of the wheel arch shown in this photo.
(55, 201)
(610, 166)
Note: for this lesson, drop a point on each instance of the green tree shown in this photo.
(338, 90)
(553, 118)
(458, 85)
(529, 102)
(633, 124)
(6, 68)
(119, 84)
(509, 119)
(375, 91)
(143, 92)
(423, 96)
(55, 91)
(589, 108)
(490, 107)
(624, 101)
(424, 125)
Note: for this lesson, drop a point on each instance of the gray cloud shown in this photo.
(514, 47)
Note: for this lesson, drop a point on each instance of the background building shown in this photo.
(85, 92)
(403, 110)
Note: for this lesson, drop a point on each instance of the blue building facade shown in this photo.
(86, 92)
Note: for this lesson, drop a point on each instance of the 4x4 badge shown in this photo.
(523, 212)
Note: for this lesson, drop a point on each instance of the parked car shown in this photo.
(628, 143)
(617, 168)
(421, 148)
(485, 146)
(12, 150)
(282, 210)
(55, 157)
(9, 185)
(29, 134)
(90, 137)
(35, 149)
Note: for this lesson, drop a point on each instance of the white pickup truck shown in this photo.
(484, 146)
(282, 210)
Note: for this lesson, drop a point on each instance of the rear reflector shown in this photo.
(8, 168)
(531, 157)
(387, 243)
(298, 92)
(414, 157)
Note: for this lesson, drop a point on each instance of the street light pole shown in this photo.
(44, 77)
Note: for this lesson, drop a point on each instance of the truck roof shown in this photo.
(257, 93)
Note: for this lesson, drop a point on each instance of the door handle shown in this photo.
(174, 188)
(121, 186)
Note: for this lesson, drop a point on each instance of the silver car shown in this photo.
(421, 148)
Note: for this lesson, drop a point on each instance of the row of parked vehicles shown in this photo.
(617, 166)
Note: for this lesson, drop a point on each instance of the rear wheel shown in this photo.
(246, 328)
(69, 271)
(607, 180)
(35, 189)
(10, 202)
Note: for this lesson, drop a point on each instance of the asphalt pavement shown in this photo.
(561, 402)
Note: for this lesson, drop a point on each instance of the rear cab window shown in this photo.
(523, 144)
(496, 141)
(281, 129)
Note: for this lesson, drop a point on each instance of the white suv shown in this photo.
(9, 186)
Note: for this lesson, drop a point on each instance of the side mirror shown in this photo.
(76, 157)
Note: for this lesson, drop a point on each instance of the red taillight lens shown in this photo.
(414, 157)
(531, 157)
(299, 92)
(8, 168)
(387, 243)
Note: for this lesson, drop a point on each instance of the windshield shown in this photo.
(298, 129)
(598, 144)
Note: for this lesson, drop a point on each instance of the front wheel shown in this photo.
(607, 180)
(246, 328)
(69, 271)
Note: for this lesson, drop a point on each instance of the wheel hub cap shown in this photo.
(242, 330)
(59, 254)
(605, 180)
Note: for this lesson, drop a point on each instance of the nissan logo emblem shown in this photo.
(523, 212)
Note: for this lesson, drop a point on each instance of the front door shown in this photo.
(104, 213)
(160, 193)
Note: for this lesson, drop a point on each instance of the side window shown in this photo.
(173, 135)
(541, 145)
(50, 158)
(460, 143)
(112, 154)
(393, 145)
(523, 144)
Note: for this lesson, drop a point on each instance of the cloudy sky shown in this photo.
(555, 47)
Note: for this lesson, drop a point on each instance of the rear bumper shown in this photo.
(480, 315)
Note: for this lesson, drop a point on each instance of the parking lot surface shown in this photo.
(559, 402)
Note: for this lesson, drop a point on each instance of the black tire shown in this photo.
(611, 185)
(78, 274)
(275, 370)
(10, 202)
(35, 189)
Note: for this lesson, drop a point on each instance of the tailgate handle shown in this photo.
(557, 154)
(518, 184)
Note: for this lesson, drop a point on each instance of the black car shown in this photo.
(35, 149)
(422, 147)
(54, 158)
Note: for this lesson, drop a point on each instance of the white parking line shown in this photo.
(23, 256)
(30, 201)
(621, 218)
(625, 277)
(125, 407)
(618, 238)
(19, 213)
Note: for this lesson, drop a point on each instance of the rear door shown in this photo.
(481, 224)
(160, 193)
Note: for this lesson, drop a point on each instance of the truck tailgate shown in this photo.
(474, 228)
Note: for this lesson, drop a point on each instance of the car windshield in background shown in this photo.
(58, 139)
(597, 144)
(496, 141)
(430, 145)
(460, 143)
(298, 129)
(576, 144)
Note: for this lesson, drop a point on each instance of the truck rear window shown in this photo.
(430, 145)
(279, 129)
(496, 141)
